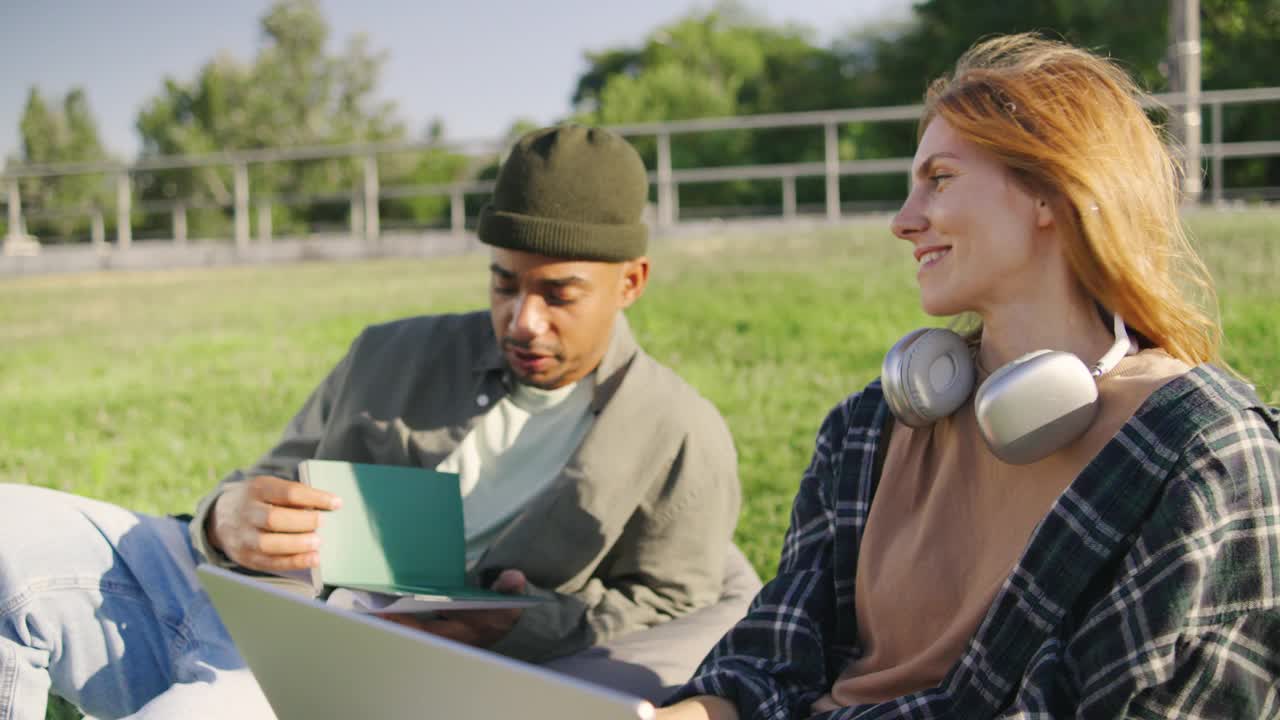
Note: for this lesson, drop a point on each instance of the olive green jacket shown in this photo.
(633, 532)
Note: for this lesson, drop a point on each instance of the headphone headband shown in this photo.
(1119, 349)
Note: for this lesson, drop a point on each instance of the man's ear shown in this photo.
(635, 277)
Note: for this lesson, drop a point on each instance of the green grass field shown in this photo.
(144, 389)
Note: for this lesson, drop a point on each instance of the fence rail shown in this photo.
(364, 214)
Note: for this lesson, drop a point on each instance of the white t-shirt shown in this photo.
(514, 453)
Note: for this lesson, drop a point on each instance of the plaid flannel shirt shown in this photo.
(1149, 590)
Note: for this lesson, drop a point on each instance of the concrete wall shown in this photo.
(165, 254)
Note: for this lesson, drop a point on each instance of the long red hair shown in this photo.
(1071, 125)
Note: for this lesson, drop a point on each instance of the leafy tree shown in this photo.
(58, 208)
(726, 62)
(717, 63)
(1240, 42)
(292, 94)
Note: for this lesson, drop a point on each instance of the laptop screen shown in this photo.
(316, 661)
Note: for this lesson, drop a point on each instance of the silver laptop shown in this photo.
(314, 661)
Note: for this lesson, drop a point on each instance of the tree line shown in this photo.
(710, 63)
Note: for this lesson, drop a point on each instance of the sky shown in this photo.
(476, 64)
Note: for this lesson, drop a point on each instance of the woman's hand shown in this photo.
(703, 707)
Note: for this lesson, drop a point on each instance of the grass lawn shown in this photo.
(145, 388)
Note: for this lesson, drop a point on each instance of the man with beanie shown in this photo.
(592, 476)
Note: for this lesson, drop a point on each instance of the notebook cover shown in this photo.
(397, 526)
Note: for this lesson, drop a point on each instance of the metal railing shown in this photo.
(364, 215)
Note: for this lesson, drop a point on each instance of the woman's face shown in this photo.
(976, 232)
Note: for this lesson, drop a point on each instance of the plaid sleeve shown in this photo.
(772, 664)
(1190, 627)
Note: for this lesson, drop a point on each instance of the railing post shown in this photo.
(1184, 77)
(14, 232)
(371, 228)
(180, 224)
(457, 211)
(1218, 180)
(1191, 147)
(124, 212)
(666, 199)
(242, 205)
(832, 144)
(98, 231)
(264, 223)
(357, 216)
(789, 197)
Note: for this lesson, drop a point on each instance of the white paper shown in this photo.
(364, 601)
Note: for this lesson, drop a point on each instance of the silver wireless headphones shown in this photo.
(1026, 410)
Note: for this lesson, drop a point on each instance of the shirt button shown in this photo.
(482, 400)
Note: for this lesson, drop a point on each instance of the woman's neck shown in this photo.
(1075, 326)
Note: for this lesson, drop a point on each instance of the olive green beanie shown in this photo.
(571, 192)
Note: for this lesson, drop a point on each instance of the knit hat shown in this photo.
(571, 192)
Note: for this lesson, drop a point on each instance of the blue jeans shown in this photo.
(102, 606)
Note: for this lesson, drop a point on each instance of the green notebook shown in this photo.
(399, 532)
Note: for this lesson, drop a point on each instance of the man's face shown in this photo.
(553, 318)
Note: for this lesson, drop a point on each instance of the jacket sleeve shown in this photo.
(772, 664)
(1191, 626)
(299, 441)
(668, 561)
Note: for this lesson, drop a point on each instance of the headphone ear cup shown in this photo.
(1035, 405)
(927, 375)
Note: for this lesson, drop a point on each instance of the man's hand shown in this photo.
(479, 628)
(268, 523)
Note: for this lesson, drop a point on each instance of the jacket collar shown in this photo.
(609, 373)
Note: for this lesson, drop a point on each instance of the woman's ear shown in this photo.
(1044, 213)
